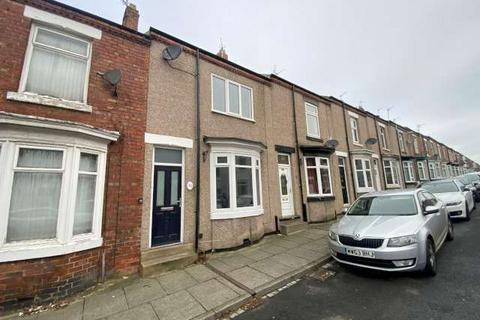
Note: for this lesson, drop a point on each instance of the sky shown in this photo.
(421, 58)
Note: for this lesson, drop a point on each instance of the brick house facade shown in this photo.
(112, 127)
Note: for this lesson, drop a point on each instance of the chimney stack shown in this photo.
(222, 53)
(130, 17)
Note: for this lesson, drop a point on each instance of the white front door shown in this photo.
(285, 182)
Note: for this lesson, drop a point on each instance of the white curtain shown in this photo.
(34, 206)
(85, 200)
(57, 74)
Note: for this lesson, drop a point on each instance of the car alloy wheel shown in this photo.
(431, 263)
(450, 234)
(467, 212)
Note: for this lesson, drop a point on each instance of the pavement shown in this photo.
(335, 292)
(203, 291)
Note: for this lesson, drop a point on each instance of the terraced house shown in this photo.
(123, 152)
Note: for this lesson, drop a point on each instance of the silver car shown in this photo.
(392, 231)
(457, 198)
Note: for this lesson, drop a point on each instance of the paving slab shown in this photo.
(175, 281)
(178, 306)
(256, 254)
(142, 291)
(316, 245)
(307, 254)
(315, 234)
(249, 277)
(272, 268)
(104, 304)
(220, 265)
(142, 312)
(212, 294)
(287, 244)
(236, 260)
(272, 248)
(289, 260)
(299, 239)
(73, 311)
(200, 272)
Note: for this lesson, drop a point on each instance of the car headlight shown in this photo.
(402, 241)
(332, 235)
(450, 204)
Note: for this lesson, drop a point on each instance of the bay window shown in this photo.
(319, 182)
(363, 175)
(391, 173)
(408, 171)
(235, 183)
(231, 98)
(52, 189)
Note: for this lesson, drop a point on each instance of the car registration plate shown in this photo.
(360, 253)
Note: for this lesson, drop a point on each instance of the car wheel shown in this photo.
(431, 263)
(450, 234)
(467, 212)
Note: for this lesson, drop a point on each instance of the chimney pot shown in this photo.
(130, 17)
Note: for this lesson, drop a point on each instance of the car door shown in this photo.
(436, 221)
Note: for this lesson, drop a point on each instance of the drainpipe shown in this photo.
(380, 165)
(304, 205)
(198, 162)
(348, 150)
(400, 156)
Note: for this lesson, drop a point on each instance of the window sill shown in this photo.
(386, 149)
(236, 213)
(393, 186)
(233, 115)
(45, 249)
(312, 138)
(48, 101)
(365, 190)
(320, 198)
(358, 144)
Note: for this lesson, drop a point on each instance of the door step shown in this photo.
(163, 259)
(288, 227)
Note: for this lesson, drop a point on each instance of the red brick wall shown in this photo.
(46, 279)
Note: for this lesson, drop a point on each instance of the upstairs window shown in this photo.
(57, 65)
(383, 137)
(311, 114)
(415, 145)
(401, 141)
(231, 98)
(354, 127)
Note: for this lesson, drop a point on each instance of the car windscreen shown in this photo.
(441, 187)
(393, 205)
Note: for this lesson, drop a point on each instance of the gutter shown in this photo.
(197, 145)
(304, 206)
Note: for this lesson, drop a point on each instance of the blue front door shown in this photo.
(166, 219)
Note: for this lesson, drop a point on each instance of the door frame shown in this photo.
(182, 181)
(292, 198)
(344, 166)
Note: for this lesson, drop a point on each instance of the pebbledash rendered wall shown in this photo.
(41, 280)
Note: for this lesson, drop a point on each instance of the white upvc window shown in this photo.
(383, 136)
(444, 170)
(415, 144)
(391, 173)
(363, 175)
(431, 168)
(313, 124)
(236, 183)
(421, 170)
(427, 149)
(53, 201)
(354, 128)
(319, 181)
(408, 171)
(401, 141)
(57, 64)
(232, 98)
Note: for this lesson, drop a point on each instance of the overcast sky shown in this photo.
(420, 58)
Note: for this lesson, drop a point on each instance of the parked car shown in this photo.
(472, 181)
(457, 197)
(397, 230)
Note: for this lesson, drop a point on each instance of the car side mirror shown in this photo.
(430, 210)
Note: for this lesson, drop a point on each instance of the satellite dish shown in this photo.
(113, 78)
(370, 141)
(171, 53)
(332, 143)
